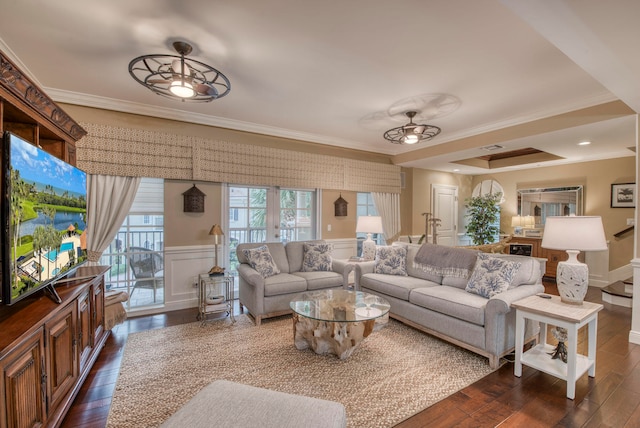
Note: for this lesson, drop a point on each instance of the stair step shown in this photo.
(618, 288)
(619, 293)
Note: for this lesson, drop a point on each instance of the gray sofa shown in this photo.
(270, 296)
(440, 305)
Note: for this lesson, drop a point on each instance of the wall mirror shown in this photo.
(550, 201)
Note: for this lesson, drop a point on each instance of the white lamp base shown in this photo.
(572, 279)
(368, 248)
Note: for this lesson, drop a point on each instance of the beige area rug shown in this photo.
(395, 372)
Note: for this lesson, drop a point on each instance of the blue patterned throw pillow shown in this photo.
(391, 260)
(491, 275)
(317, 257)
(260, 259)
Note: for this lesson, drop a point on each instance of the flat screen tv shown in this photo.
(44, 205)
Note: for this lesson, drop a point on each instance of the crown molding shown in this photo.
(62, 96)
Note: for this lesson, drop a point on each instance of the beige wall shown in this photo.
(596, 177)
(341, 227)
(184, 229)
(421, 195)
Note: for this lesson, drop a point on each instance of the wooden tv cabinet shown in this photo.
(47, 350)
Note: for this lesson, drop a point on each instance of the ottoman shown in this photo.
(229, 404)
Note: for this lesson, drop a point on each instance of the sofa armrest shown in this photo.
(364, 267)
(344, 268)
(251, 276)
(501, 303)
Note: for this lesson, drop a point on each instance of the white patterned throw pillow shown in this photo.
(491, 275)
(391, 260)
(260, 259)
(317, 257)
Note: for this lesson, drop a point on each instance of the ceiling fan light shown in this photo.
(411, 139)
(182, 89)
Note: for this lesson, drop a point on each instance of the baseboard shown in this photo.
(634, 337)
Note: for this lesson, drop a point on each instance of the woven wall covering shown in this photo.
(142, 153)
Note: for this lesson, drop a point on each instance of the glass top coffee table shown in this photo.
(336, 321)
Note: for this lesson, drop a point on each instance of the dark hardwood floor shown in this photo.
(536, 399)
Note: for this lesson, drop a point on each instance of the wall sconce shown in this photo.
(193, 200)
(340, 207)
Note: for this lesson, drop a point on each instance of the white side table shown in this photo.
(571, 317)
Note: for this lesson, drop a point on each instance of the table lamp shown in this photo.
(369, 224)
(516, 223)
(217, 233)
(573, 234)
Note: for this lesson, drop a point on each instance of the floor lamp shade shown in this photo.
(573, 234)
(369, 225)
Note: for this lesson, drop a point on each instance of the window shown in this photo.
(265, 214)
(136, 255)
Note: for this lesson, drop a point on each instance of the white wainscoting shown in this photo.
(343, 248)
(182, 265)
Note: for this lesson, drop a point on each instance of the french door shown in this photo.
(267, 214)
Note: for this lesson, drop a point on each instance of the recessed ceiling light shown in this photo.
(456, 170)
(584, 143)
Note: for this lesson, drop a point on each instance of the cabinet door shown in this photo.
(98, 311)
(85, 337)
(62, 364)
(23, 385)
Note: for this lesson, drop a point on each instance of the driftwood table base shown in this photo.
(330, 337)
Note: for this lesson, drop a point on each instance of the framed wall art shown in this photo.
(623, 195)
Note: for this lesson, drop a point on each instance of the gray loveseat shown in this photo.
(269, 296)
(439, 304)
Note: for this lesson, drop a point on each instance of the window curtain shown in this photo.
(388, 207)
(109, 199)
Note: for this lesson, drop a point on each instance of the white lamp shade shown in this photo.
(369, 224)
(516, 221)
(582, 233)
(528, 221)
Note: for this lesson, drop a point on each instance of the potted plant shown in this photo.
(483, 214)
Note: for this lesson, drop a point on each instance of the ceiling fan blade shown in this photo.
(176, 66)
(156, 81)
(207, 90)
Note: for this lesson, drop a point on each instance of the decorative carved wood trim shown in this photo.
(16, 83)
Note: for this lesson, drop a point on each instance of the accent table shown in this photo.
(572, 318)
(336, 321)
(215, 295)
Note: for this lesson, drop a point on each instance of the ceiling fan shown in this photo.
(178, 77)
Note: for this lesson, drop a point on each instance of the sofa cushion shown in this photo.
(491, 275)
(393, 285)
(260, 259)
(451, 301)
(276, 249)
(391, 260)
(284, 283)
(320, 279)
(295, 253)
(317, 257)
